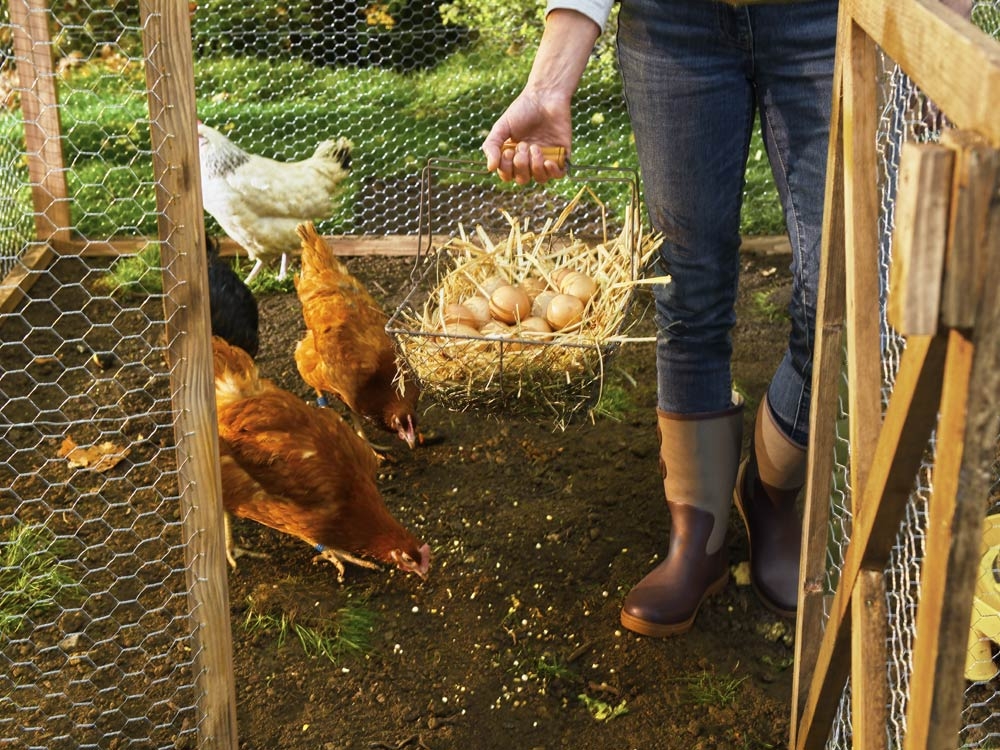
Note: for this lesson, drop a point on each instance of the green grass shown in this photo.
(549, 668)
(765, 306)
(282, 108)
(134, 275)
(347, 633)
(710, 689)
(600, 710)
(615, 402)
(32, 578)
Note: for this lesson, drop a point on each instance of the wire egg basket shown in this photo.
(528, 237)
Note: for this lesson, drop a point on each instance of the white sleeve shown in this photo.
(596, 10)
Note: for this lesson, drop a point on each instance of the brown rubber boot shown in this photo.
(766, 492)
(699, 454)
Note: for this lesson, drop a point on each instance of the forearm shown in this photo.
(540, 115)
(562, 55)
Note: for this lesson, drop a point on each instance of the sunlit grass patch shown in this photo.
(32, 577)
(322, 632)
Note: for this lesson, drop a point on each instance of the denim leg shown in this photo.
(793, 55)
(694, 73)
(685, 68)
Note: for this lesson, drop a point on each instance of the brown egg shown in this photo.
(459, 329)
(533, 286)
(564, 311)
(459, 314)
(557, 275)
(509, 304)
(495, 329)
(578, 284)
(479, 307)
(541, 303)
(491, 284)
(535, 328)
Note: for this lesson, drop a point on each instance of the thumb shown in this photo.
(493, 144)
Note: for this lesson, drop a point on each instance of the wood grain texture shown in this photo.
(828, 354)
(170, 83)
(42, 128)
(923, 199)
(975, 188)
(961, 75)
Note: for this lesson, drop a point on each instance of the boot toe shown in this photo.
(778, 590)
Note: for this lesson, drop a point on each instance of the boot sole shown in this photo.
(659, 630)
(778, 610)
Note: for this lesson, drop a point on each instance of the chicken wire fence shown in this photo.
(95, 623)
(907, 115)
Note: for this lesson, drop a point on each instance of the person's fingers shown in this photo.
(544, 169)
(521, 163)
(492, 149)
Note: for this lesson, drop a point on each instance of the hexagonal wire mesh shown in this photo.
(97, 655)
(906, 115)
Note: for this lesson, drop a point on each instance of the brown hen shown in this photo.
(346, 350)
(302, 471)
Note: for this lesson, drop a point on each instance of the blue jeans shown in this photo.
(695, 72)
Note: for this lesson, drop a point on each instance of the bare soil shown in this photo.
(537, 534)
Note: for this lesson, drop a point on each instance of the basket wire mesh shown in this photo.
(589, 223)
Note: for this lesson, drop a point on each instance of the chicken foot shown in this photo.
(339, 557)
(233, 550)
(258, 264)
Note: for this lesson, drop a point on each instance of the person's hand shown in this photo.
(530, 126)
(540, 115)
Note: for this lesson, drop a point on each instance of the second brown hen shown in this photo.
(346, 350)
(303, 471)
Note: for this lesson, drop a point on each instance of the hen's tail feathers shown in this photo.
(338, 151)
(236, 375)
(317, 258)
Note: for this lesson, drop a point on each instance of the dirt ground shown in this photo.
(537, 535)
(514, 639)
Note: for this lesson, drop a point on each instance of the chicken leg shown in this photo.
(233, 550)
(339, 557)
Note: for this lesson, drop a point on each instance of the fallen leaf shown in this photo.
(101, 457)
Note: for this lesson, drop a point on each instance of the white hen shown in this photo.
(259, 201)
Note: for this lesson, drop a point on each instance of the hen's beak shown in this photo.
(407, 432)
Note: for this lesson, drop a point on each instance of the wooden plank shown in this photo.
(911, 415)
(935, 575)
(869, 684)
(42, 129)
(170, 83)
(963, 475)
(975, 180)
(964, 80)
(22, 277)
(393, 245)
(827, 368)
(923, 199)
(388, 245)
(864, 353)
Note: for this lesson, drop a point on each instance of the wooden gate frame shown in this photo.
(944, 300)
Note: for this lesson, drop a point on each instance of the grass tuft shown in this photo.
(600, 710)
(765, 306)
(346, 632)
(710, 689)
(32, 578)
(135, 275)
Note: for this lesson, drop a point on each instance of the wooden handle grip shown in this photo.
(554, 153)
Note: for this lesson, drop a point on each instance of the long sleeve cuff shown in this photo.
(596, 10)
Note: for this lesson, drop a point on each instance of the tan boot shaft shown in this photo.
(699, 455)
